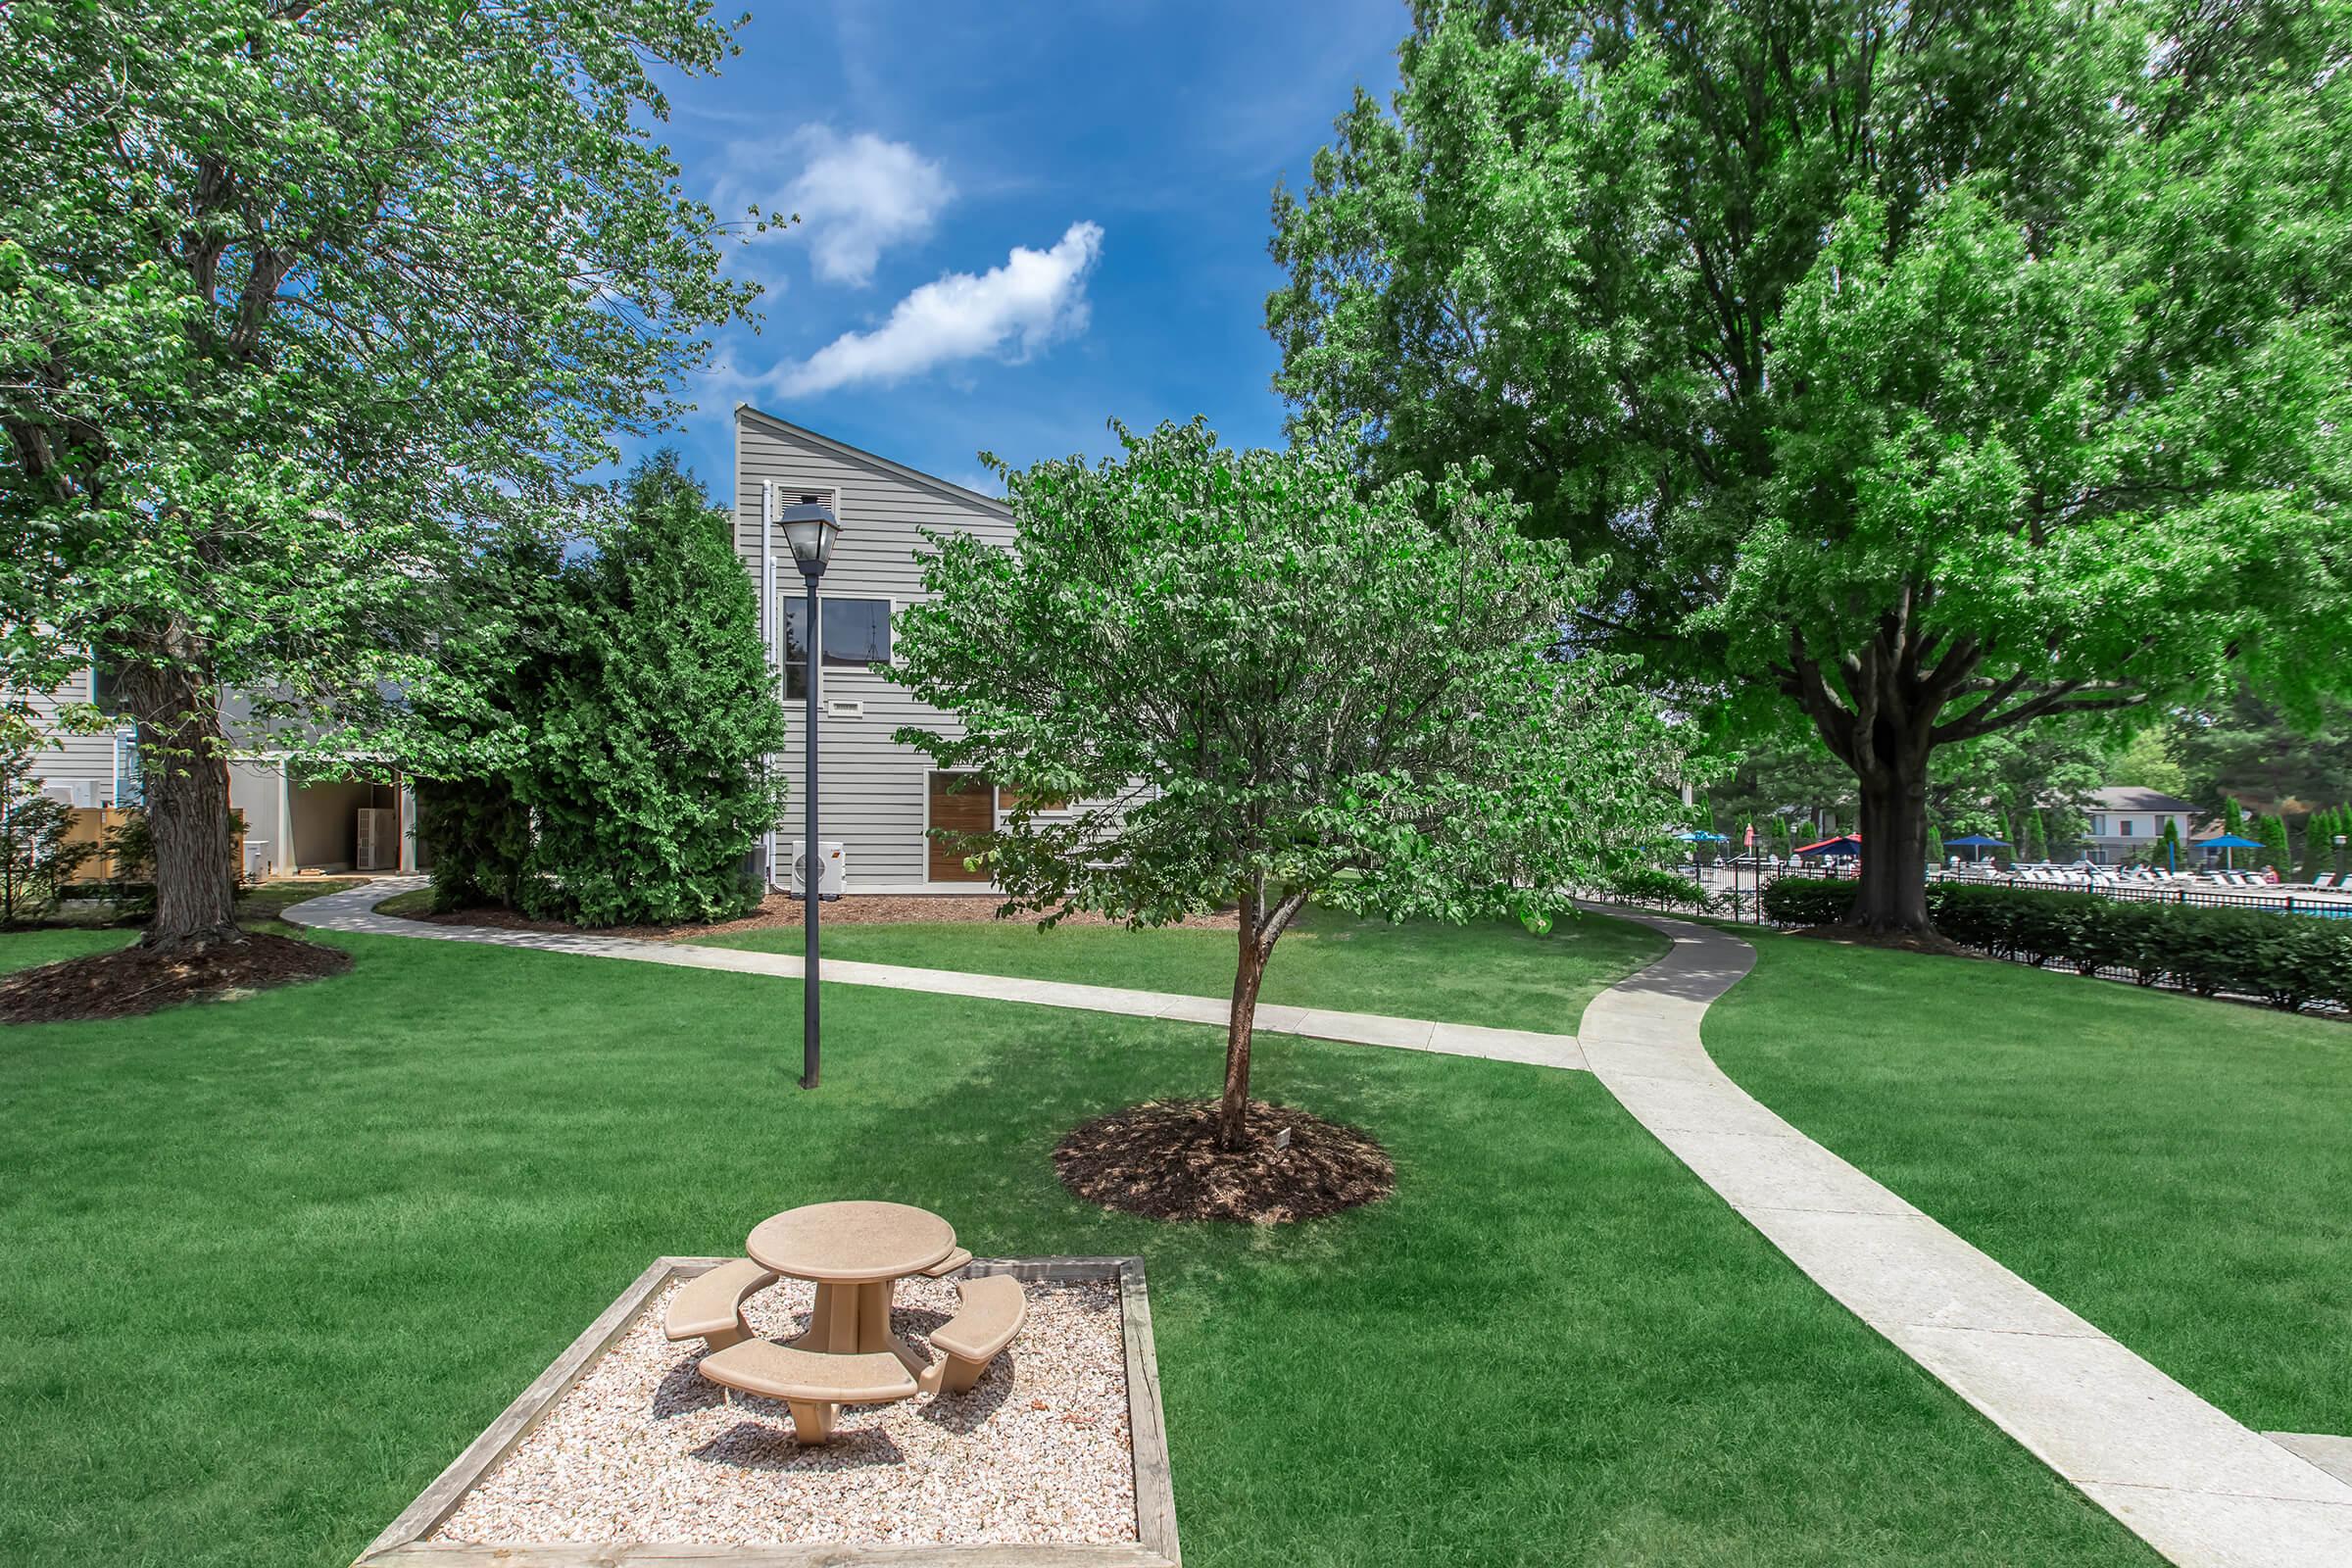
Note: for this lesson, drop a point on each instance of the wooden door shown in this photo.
(960, 803)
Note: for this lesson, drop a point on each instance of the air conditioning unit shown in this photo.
(836, 878)
(378, 835)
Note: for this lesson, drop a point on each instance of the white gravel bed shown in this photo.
(643, 1449)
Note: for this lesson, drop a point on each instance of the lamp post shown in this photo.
(2339, 857)
(811, 529)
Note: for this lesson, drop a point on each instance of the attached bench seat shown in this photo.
(994, 1307)
(816, 1385)
(950, 1263)
(710, 1307)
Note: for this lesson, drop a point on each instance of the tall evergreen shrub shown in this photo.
(647, 779)
(2272, 830)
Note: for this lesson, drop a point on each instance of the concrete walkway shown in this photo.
(2198, 1487)
(2184, 1477)
(353, 910)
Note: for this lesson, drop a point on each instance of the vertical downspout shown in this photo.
(767, 619)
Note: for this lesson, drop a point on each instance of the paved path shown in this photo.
(2195, 1485)
(354, 910)
(2192, 1482)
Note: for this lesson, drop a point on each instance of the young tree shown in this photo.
(1926, 372)
(2169, 847)
(2234, 816)
(1937, 852)
(295, 299)
(1264, 686)
(647, 777)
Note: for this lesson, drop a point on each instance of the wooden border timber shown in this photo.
(403, 1544)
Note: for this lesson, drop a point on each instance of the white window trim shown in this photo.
(800, 597)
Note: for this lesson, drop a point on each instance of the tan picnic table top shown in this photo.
(851, 1243)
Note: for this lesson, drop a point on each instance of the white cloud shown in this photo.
(856, 196)
(1011, 311)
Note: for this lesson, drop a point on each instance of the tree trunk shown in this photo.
(1233, 1110)
(1893, 895)
(184, 773)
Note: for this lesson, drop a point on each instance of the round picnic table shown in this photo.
(857, 1252)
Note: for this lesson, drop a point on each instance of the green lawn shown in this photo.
(273, 1262)
(1493, 972)
(2172, 1169)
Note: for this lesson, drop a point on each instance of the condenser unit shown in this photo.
(379, 836)
(836, 878)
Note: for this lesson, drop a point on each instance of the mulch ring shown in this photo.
(858, 908)
(1860, 935)
(1160, 1159)
(134, 980)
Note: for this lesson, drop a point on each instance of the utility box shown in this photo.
(835, 877)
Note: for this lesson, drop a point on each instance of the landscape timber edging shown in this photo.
(403, 1543)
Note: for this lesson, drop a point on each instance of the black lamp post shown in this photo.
(2339, 857)
(811, 529)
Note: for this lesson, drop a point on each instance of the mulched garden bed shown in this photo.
(1160, 1159)
(134, 980)
(858, 908)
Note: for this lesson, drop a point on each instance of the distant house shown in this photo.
(878, 797)
(2126, 819)
(293, 821)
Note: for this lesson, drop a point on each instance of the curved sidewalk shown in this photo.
(2198, 1487)
(2195, 1485)
(353, 910)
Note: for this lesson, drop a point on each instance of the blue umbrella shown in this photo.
(1978, 841)
(2225, 842)
(1703, 836)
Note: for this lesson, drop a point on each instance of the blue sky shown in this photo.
(1018, 219)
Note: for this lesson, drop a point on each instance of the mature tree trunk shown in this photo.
(184, 767)
(1893, 894)
(1260, 929)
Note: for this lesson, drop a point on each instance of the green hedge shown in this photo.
(2289, 961)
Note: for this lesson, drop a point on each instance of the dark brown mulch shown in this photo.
(1160, 1159)
(134, 980)
(858, 908)
(1862, 936)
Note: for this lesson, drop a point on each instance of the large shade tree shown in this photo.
(1220, 679)
(295, 300)
(1923, 371)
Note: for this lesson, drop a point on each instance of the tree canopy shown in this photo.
(1923, 371)
(295, 300)
(1231, 679)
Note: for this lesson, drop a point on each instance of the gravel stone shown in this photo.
(643, 1449)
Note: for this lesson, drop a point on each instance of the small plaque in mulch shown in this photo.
(1161, 1159)
(135, 979)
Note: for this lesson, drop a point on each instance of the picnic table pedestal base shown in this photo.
(851, 1319)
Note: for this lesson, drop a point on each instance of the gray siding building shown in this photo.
(877, 797)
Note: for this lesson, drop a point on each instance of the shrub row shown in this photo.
(2289, 961)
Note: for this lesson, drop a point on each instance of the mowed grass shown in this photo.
(272, 1264)
(2174, 1169)
(1493, 972)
